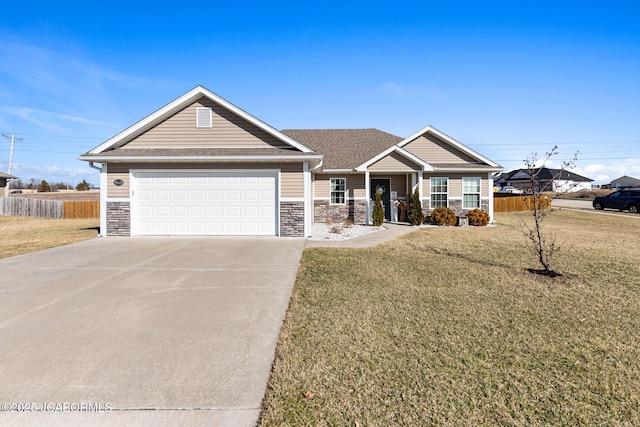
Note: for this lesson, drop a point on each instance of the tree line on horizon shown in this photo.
(43, 186)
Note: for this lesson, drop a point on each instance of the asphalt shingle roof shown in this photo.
(344, 148)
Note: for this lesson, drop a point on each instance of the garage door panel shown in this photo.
(209, 203)
(251, 211)
(198, 195)
(199, 211)
(181, 211)
(162, 195)
(161, 211)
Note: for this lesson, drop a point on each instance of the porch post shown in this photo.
(367, 191)
(490, 189)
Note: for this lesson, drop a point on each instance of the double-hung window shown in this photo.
(471, 193)
(338, 190)
(439, 191)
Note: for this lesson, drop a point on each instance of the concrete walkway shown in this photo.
(368, 240)
(150, 331)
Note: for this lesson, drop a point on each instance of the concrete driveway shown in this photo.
(153, 331)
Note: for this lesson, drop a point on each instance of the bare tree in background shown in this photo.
(544, 245)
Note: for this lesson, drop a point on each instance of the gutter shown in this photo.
(91, 165)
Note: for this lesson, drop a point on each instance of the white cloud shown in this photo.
(605, 173)
(54, 173)
(601, 173)
(48, 120)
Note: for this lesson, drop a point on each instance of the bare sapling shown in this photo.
(543, 244)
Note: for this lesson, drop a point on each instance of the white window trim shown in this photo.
(431, 193)
(199, 123)
(345, 191)
(479, 193)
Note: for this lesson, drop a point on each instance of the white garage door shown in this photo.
(205, 203)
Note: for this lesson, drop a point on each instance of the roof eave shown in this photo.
(461, 170)
(198, 159)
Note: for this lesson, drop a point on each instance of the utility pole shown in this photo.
(13, 140)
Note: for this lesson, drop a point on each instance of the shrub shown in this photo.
(478, 217)
(83, 186)
(416, 217)
(44, 187)
(443, 216)
(378, 210)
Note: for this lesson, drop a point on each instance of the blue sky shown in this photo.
(505, 78)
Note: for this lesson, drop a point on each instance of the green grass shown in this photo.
(445, 326)
(21, 235)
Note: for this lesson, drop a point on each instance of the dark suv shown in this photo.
(621, 200)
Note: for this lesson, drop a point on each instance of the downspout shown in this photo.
(103, 196)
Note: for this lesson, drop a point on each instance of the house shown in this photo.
(4, 177)
(556, 180)
(202, 166)
(625, 182)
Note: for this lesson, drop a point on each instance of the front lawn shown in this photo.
(445, 326)
(21, 235)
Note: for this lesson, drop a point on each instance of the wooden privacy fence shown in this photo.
(82, 209)
(49, 208)
(518, 203)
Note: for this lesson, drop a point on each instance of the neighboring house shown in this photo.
(202, 166)
(625, 182)
(4, 177)
(548, 179)
(500, 180)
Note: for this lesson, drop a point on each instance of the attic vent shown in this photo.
(203, 117)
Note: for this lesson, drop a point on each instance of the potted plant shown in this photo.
(402, 207)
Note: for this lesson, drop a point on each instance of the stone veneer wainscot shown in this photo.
(118, 218)
(292, 219)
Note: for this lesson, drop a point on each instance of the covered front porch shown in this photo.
(395, 191)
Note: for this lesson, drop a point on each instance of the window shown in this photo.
(439, 192)
(338, 189)
(470, 193)
(203, 117)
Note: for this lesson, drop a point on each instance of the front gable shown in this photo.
(434, 147)
(164, 128)
(430, 147)
(395, 162)
(222, 129)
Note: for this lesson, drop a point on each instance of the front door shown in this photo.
(384, 187)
